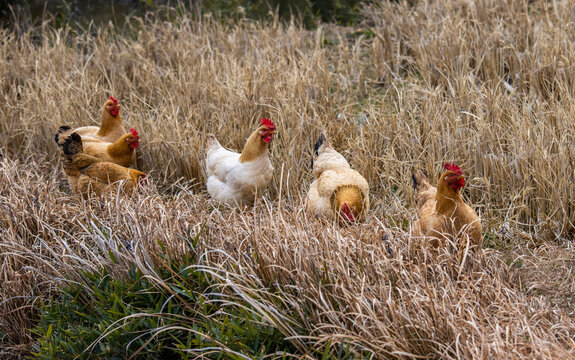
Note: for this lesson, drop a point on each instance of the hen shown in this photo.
(338, 191)
(121, 152)
(88, 174)
(236, 178)
(441, 211)
(111, 128)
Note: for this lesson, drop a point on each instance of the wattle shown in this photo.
(458, 184)
(348, 214)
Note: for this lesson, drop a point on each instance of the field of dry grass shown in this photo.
(486, 84)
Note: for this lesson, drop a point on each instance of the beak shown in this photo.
(460, 177)
(273, 132)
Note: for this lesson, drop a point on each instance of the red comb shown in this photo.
(268, 123)
(114, 100)
(134, 132)
(452, 167)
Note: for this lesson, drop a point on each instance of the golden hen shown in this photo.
(338, 191)
(111, 128)
(88, 174)
(121, 152)
(442, 213)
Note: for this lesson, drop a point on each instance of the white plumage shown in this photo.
(235, 178)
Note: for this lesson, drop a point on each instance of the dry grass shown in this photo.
(487, 84)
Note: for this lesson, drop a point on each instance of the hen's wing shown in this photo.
(105, 177)
(468, 219)
(88, 133)
(107, 172)
(220, 161)
(330, 180)
(96, 148)
(99, 149)
(220, 166)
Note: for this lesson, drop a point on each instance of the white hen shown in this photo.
(235, 178)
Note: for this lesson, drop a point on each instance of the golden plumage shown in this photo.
(442, 213)
(111, 127)
(88, 174)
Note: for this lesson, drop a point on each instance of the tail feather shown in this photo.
(61, 131)
(420, 181)
(213, 142)
(72, 151)
(318, 144)
(137, 177)
(69, 143)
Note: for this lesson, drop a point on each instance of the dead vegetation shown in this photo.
(486, 84)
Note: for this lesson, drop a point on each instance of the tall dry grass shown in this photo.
(487, 84)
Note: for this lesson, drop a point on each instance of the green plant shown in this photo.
(147, 317)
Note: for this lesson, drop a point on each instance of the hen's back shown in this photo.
(219, 161)
(326, 158)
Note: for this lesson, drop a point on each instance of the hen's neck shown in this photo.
(254, 148)
(447, 198)
(109, 122)
(120, 147)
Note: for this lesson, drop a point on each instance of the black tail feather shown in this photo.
(71, 145)
(61, 129)
(414, 178)
(414, 181)
(318, 144)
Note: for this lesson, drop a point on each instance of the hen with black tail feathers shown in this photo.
(338, 191)
(88, 174)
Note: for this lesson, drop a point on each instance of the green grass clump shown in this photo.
(150, 318)
(76, 319)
